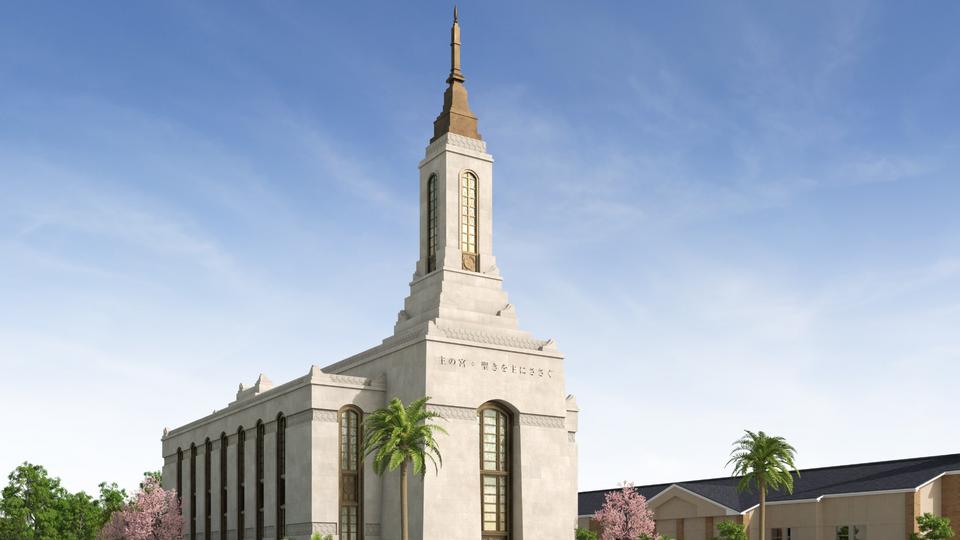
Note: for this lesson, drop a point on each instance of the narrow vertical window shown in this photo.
(223, 485)
(495, 463)
(193, 491)
(468, 221)
(351, 492)
(259, 456)
(281, 476)
(241, 483)
(180, 479)
(207, 502)
(432, 223)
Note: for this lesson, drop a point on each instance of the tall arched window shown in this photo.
(351, 481)
(207, 502)
(223, 485)
(468, 221)
(281, 476)
(432, 223)
(495, 464)
(180, 478)
(260, 433)
(193, 491)
(241, 483)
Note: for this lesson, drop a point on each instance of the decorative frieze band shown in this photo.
(312, 415)
(466, 142)
(452, 139)
(349, 379)
(306, 529)
(324, 415)
(571, 437)
(539, 420)
(478, 336)
(454, 413)
(299, 418)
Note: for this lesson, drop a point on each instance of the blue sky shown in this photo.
(729, 215)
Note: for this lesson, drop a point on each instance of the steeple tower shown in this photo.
(457, 288)
(456, 116)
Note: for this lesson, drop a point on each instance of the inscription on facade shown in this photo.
(496, 368)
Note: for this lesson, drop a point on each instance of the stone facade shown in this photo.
(457, 340)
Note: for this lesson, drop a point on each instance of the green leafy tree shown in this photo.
(400, 436)
(731, 531)
(34, 506)
(79, 516)
(31, 504)
(932, 528)
(763, 462)
(112, 499)
(585, 534)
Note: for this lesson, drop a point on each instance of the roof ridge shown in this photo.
(682, 482)
(881, 462)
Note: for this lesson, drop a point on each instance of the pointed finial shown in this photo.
(456, 116)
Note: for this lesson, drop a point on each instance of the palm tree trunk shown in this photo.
(404, 527)
(763, 509)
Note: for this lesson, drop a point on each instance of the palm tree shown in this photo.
(763, 462)
(400, 436)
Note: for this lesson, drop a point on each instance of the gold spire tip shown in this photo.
(455, 17)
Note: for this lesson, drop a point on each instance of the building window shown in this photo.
(780, 534)
(495, 463)
(180, 479)
(351, 491)
(223, 485)
(850, 532)
(281, 476)
(207, 502)
(193, 491)
(468, 221)
(432, 223)
(259, 456)
(241, 483)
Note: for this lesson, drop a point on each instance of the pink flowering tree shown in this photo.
(625, 516)
(154, 514)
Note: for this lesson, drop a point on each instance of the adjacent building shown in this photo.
(869, 501)
(284, 461)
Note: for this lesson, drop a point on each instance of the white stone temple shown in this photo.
(283, 461)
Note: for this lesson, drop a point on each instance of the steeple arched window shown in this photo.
(432, 223)
(468, 221)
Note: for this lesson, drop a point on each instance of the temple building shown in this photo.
(284, 460)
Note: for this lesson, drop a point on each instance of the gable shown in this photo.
(676, 503)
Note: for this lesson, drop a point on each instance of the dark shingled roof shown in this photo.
(813, 483)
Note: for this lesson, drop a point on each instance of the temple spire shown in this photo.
(455, 73)
(456, 116)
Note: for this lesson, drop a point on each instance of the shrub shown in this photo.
(585, 534)
(731, 531)
(933, 528)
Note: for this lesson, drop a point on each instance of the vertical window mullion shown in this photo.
(241, 483)
(223, 485)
